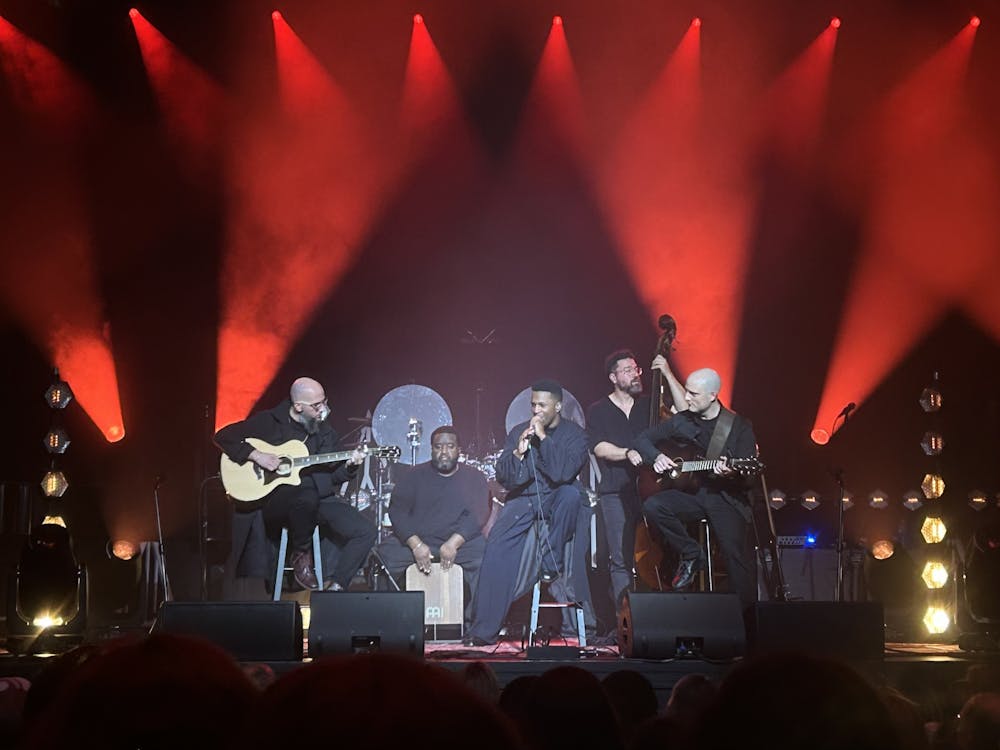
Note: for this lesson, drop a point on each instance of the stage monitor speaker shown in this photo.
(848, 630)
(349, 622)
(250, 631)
(668, 625)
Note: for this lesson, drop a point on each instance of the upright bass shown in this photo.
(648, 552)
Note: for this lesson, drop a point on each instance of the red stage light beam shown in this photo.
(305, 184)
(47, 277)
(192, 104)
(794, 106)
(932, 228)
(678, 203)
(42, 85)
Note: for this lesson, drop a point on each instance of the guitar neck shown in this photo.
(321, 458)
(688, 467)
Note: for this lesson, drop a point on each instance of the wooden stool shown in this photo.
(279, 574)
(444, 600)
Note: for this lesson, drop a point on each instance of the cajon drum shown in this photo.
(444, 600)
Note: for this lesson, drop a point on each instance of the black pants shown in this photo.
(299, 508)
(672, 510)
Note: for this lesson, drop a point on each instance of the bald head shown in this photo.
(701, 392)
(307, 390)
(706, 379)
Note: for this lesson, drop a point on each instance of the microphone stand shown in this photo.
(838, 475)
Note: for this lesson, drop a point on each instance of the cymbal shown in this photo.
(520, 409)
(391, 419)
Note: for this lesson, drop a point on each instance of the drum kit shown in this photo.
(407, 416)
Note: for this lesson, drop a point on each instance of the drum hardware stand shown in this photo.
(413, 434)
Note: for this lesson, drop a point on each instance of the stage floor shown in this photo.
(919, 670)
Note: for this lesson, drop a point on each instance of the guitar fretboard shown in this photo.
(706, 465)
(322, 458)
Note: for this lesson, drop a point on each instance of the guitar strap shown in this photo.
(720, 434)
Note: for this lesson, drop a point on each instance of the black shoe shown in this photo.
(685, 573)
(474, 641)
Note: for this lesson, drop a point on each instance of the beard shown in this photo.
(444, 465)
(311, 424)
(634, 388)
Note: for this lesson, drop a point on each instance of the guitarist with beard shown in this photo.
(706, 428)
(303, 417)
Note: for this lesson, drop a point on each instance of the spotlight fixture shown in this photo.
(978, 500)
(56, 440)
(54, 484)
(932, 486)
(810, 500)
(933, 530)
(935, 574)
(878, 500)
(776, 499)
(847, 501)
(937, 620)
(974, 22)
(58, 395)
(930, 397)
(912, 500)
(932, 443)
(835, 22)
(819, 436)
(883, 549)
(122, 549)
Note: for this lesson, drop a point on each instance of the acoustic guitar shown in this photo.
(248, 481)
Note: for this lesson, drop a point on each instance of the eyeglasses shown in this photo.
(315, 406)
(631, 369)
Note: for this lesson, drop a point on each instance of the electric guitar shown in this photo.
(248, 482)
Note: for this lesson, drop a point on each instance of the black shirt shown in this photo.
(434, 506)
(690, 430)
(276, 426)
(606, 422)
(557, 459)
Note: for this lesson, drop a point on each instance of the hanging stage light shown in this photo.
(933, 530)
(776, 499)
(58, 395)
(935, 574)
(878, 500)
(978, 500)
(54, 484)
(912, 500)
(932, 443)
(937, 620)
(56, 440)
(810, 500)
(847, 500)
(932, 486)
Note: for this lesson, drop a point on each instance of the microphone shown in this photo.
(847, 410)
(158, 482)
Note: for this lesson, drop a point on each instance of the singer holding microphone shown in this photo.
(301, 417)
(538, 466)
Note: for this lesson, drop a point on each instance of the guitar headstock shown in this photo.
(746, 467)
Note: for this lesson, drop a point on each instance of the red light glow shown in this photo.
(835, 22)
(557, 21)
(134, 13)
(696, 23)
(417, 18)
(276, 15)
(974, 22)
(820, 436)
